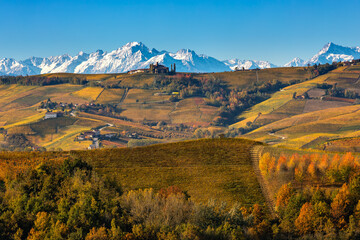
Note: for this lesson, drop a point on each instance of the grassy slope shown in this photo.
(278, 99)
(211, 168)
(244, 78)
(285, 116)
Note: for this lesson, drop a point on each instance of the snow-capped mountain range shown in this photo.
(135, 55)
(247, 64)
(330, 53)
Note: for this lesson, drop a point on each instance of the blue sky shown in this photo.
(272, 30)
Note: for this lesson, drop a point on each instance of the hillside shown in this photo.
(218, 169)
(318, 113)
(206, 169)
(143, 108)
(277, 105)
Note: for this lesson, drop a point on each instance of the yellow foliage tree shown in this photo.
(299, 174)
(313, 170)
(324, 163)
(41, 227)
(97, 234)
(348, 160)
(281, 164)
(304, 223)
(272, 165)
(340, 204)
(283, 196)
(264, 163)
(335, 162)
(294, 161)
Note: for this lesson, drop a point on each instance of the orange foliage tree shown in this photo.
(281, 164)
(283, 196)
(305, 222)
(340, 205)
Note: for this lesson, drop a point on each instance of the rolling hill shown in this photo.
(212, 168)
(127, 101)
(307, 122)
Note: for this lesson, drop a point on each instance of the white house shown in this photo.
(51, 115)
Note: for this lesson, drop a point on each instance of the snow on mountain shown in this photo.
(248, 64)
(296, 62)
(334, 53)
(131, 56)
(136, 55)
(9, 66)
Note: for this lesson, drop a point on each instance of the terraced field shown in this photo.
(305, 122)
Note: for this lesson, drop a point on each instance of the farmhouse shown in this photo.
(88, 135)
(137, 71)
(158, 68)
(49, 115)
(155, 69)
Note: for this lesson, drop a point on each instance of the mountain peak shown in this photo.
(332, 52)
(247, 64)
(296, 62)
(133, 44)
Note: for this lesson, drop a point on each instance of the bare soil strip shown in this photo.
(255, 158)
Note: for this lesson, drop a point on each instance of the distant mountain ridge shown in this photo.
(330, 53)
(247, 64)
(131, 56)
(136, 55)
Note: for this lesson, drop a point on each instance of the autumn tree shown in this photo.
(304, 223)
(281, 164)
(264, 163)
(324, 163)
(340, 206)
(283, 196)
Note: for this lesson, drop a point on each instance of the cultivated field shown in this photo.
(243, 78)
(219, 168)
(89, 93)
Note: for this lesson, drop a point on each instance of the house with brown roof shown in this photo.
(158, 68)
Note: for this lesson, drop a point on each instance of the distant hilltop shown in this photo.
(135, 55)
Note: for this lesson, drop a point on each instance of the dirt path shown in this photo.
(255, 158)
(124, 95)
(276, 135)
(99, 95)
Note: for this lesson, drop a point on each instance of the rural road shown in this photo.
(279, 136)
(255, 158)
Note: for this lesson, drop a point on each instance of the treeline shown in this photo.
(41, 80)
(314, 168)
(318, 69)
(335, 91)
(16, 142)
